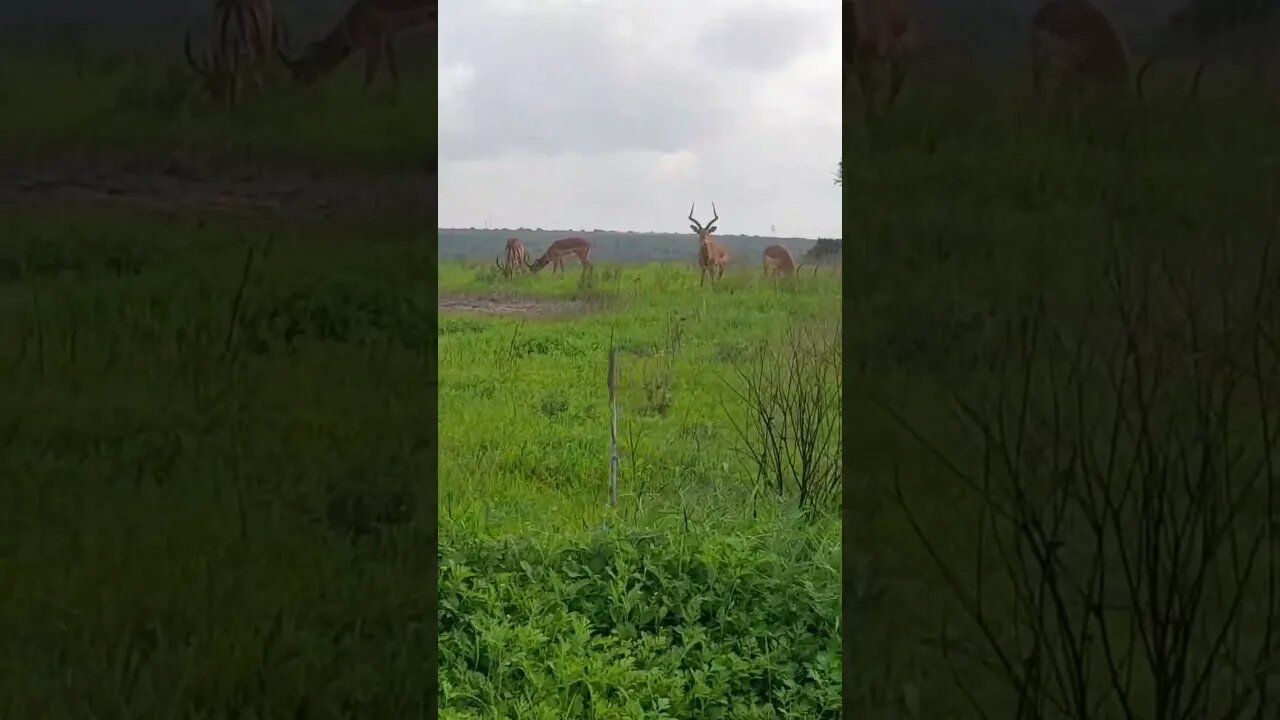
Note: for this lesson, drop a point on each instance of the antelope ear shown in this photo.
(711, 229)
(694, 228)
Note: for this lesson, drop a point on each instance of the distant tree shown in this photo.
(1205, 19)
(823, 249)
(840, 173)
(1200, 25)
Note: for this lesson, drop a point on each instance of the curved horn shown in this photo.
(232, 61)
(202, 70)
(280, 39)
(695, 222)
(224, 25)
(715, 215)
(1142, 74)
(1194, 90)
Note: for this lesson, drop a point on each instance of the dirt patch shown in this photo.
(172, 184)
(503, 305)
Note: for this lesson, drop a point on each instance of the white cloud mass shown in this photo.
(617, 114)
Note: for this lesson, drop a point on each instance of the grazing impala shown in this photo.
(515, 258)
(712, 257)
(886, 38)
(1074, 39)
(778, 261)
(371, 26)
(561, 249)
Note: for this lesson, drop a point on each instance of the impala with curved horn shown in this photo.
(245, 30)
(712, 257)
(1075, 40)
(561, 249)
(515, 258)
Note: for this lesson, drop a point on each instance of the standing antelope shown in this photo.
(371, 26)
(778, 261)
(561, 249)
(712, 257)
(515, 257)
(1074, 39)
(886, 38)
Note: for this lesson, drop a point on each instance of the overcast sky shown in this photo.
(617, 114)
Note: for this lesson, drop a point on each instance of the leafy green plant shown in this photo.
(638, 624)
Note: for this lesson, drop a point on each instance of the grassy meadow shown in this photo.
(215, 434)
(214, 440)
(217, 447)
(120, 104)
(699, 594)
(1059, 355)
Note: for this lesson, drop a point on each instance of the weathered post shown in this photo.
(613, 427)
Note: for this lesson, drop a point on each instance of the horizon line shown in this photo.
(627, 232)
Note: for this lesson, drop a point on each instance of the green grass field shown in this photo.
(202, 524)
(216, 446)
(695, 596)
(966, 211)
(123, 104)
(215, 434)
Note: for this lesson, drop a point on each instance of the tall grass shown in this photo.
(213, 507)
(140, 103)
(216, 441)
(699, 594)
(968, 210)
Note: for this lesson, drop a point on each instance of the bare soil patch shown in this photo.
(173, 184)
(493, 305)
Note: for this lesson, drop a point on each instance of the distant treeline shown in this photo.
(611, 246)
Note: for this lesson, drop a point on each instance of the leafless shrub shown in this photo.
(790, 437)
(1127, 555)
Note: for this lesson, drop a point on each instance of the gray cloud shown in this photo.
(576, 114)
(557, 81)
(763, 40)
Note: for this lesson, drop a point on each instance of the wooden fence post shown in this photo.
(613, 427)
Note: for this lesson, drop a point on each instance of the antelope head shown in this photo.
(704, 232)
(538, 264)
(317, 59)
